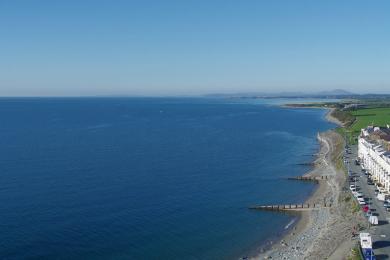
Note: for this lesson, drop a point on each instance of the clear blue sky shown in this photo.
(192, 47)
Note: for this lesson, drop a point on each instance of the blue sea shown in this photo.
(148, 178)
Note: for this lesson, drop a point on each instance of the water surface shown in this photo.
(147, 178)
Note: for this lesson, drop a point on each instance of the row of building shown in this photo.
(374, 155)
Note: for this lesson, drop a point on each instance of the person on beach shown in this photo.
(354, 231)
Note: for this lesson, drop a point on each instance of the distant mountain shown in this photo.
(336, 93)
(256, 94)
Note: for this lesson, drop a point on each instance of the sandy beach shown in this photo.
(323, 233)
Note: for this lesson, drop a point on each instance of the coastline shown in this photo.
(324, 233)
(329, 117)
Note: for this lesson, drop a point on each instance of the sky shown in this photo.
(185, 47)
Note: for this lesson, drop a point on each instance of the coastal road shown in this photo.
(380, 233)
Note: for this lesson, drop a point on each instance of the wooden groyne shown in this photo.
(303, 178)
(292, 207)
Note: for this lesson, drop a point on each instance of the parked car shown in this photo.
(357, 162)
(361, 202)
(373, 220)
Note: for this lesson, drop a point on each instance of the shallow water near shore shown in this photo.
(148, 178)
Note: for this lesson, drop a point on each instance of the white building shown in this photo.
(375, 158)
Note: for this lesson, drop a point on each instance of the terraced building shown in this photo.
(374, 155)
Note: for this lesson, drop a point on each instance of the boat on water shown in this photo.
(366, 246)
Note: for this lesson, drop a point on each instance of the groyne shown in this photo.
(292, 207)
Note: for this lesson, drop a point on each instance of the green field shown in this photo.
(366, 117)
(372, 116)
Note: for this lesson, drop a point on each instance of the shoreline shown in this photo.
(329, 117)
(323, 233)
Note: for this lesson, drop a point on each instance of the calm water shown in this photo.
(147, 178)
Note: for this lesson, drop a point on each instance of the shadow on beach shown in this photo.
(382, 257)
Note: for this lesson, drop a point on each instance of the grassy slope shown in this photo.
(365, 117)
(371, 116)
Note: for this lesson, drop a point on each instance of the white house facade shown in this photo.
(375, 159)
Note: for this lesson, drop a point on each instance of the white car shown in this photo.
(356, 193)
(362, 202)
